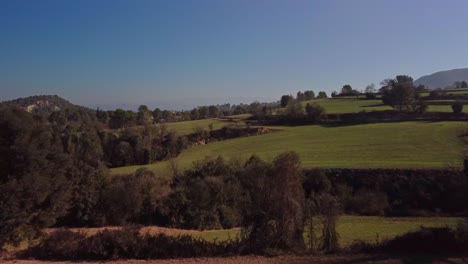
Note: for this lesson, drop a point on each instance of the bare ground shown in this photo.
(345, 259)
(150, 230)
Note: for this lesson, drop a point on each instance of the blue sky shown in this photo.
(177, 54)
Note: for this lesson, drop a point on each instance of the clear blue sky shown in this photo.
(178, 54)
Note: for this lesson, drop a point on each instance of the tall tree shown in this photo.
(274, 216)
(285, 99)
(346, 89)
(399, 92)
(35, 177)
(322, 94)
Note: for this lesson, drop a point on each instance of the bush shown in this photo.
(367, 202)
(60, 245)
(428, 240)
(127, 243)
(370, 96)
(457, 107)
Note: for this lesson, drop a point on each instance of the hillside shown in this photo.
(384, 145)
(42, 104)
(443, 79)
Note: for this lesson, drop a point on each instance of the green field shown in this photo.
(370, 229)
(349, 105)
(444, 108)
(382, 145)
(458, 91)
(187, 127)
(241, 116)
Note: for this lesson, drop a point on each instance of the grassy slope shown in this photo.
(384, 145)
(187, 127)
(445, 108)
(349, 105)
(366, 228)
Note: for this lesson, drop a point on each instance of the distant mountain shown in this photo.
(443, 79)
(42, 104)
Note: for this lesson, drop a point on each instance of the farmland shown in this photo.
(383, 145)
(370, 229)
(349, 105)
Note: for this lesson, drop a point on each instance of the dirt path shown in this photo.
(350, 259)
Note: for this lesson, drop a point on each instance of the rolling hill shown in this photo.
(443, 79)
(42, 104)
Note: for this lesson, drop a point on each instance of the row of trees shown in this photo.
(301, 96)
(460, 84)
(54, 174)
(51, 179)
(120, 118)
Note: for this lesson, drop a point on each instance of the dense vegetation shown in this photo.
(55, 160)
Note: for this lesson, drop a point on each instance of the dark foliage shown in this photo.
(35, 175)
(127, 243)
(274, 214)
(393, 192)
(457, 107)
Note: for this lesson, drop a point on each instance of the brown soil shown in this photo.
(350, 259)
(150, 230)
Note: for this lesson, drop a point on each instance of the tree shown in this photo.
(294, 109)
(399, 92)
(370, 88)
(203, 110)
(35, 179)
(274, 216)
(315, 112)
(194, 114)
(346, 89)
(457, 107)
(322, 94)
(213, 111)
(144, 116)
(300, 96)
(285, 99)
(309, 95)
(157, 115)
(463, 84)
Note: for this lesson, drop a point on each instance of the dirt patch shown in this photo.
(240, 260)
(150, 230)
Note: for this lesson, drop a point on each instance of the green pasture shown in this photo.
(381, 145)
(444, 108)
(240, 116)
(348, 105)
(188, 127)
(370, 229)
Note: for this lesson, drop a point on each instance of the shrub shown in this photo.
(457, 107)
(371, 96)
(367, 202)
(60, 245)
(127, 243)
(434, 240)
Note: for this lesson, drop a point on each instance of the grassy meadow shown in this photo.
(381, 145)
(188, 127)
(369, 229)
(348, 105)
